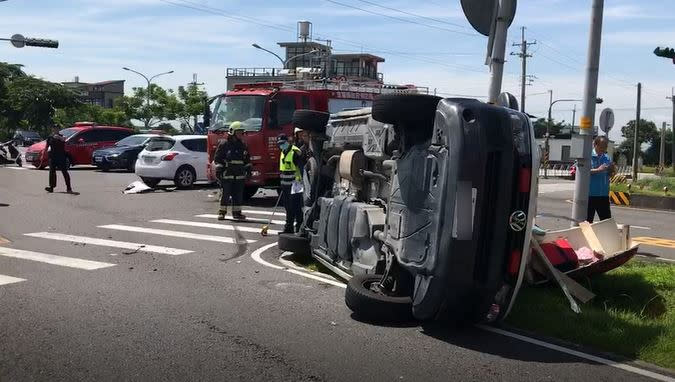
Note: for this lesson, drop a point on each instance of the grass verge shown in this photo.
(633, 313)
(653, 187)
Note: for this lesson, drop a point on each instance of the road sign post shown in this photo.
(583, 176)
(606, 120)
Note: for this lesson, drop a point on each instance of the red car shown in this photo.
(81, 141)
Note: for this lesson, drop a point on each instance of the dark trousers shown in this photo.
(234, 189)
(59, 163)
(599, 204)
(293, 206)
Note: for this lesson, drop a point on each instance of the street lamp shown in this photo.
(147, 122)
(284, 62)
(550, 118)
(19, 41)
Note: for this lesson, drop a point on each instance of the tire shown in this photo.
(309, 179)
(293, 243)
(185, 177)
(311, 120)
(249, 191)
(105, 168)
(376, 307)
(413, 110)
(151, 182)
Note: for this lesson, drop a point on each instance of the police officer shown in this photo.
(56, 149)
(232, 156)
(290, 163)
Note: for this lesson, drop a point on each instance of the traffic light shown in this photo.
(42, 43)
(665, 52)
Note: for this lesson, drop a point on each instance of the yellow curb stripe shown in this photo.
(655, 241)
(614, 198)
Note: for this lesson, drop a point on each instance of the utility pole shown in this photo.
(635, 136)
(583, 177)
(504, 12)
(574, 116)
(195, 83)
(672, 126)
(547, 146)
(662, 146)
(523, 57)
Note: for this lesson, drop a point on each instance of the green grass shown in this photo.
(669, 171)
(310, 264)
(652, 187)
(633, 313)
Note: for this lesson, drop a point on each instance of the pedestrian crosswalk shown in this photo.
(146, 237)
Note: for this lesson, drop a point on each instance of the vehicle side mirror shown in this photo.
(273, 122)
(207, 114)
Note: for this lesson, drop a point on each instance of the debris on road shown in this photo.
(139, 187)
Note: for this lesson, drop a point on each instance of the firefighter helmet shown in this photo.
(236, 125)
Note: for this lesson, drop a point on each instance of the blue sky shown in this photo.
(439, 50)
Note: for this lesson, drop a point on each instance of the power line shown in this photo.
(246, 19)
(401, 19)
(415, 15)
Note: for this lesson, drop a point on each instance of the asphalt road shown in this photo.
(188, 305)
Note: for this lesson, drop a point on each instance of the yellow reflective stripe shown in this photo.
(624, 198)
(235, 162)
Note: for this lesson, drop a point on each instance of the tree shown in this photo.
(8, 72)
(32, 102)
(164, 105)
(192, 104)
(541, 124)
(652, 153)
(94, 113)
(647, 132)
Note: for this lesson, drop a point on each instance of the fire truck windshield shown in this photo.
(247, 109)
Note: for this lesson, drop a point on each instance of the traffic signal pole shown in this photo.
(583, 176)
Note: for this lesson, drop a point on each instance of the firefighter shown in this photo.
(233, 159)
(290, 163)
(56, 150)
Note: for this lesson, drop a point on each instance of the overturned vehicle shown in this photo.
(425, 205)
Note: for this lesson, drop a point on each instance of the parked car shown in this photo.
(123, 154)
(81, 141)
(26, 138)
(181, 158)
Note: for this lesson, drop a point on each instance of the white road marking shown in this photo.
(4, 280)
(259, 212)
(255, 255)
(16, 168)
(250, 220)
(71, 262)
(600, 360)
(109, 243)
(162, 232)
(639, 227)
(213, 225)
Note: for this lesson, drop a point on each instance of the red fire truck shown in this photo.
(266, 110)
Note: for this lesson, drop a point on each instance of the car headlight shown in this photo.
(113, 156)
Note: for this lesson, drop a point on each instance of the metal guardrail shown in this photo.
(562, 170)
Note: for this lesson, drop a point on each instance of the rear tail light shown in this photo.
(169, 156)
(514, 262)
(524, 178)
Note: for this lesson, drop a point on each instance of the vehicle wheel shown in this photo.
(151, 182)
(311, 120)
(105, 168)
(249, 192)
(293, 243)
(309, 179)
(407, 109)
(374, 306)
(185, 177)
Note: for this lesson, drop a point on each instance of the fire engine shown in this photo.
(266, 110)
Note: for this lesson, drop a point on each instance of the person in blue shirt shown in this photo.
(601, 169)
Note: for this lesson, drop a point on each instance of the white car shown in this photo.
(181, 158)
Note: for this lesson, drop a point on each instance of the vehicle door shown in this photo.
(197, 156)
(81, 146)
